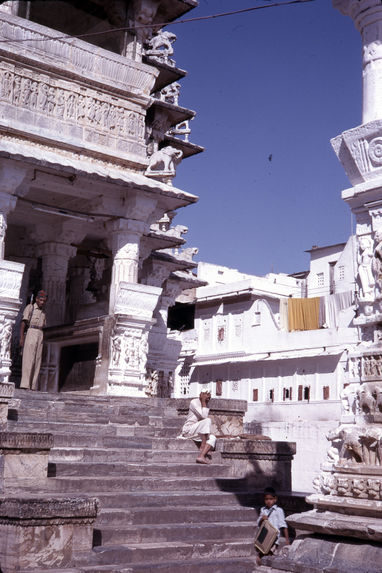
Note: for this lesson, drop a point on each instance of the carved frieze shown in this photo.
(83, 113)
(11, 275)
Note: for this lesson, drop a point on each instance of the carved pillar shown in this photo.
(125, 239)
(128, 349)
(11, 177)
(367, 16)
(164, 350)
(7, 204)
(349, 485)
(55, 259)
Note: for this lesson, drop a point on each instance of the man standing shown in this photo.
(197, 426)
(32, 324)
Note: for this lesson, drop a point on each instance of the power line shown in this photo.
(160, 24)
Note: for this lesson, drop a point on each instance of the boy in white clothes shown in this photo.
(197, 426)
(276, 517)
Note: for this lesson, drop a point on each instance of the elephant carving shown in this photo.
(163, 161)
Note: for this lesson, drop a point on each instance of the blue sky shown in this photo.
(271, 84)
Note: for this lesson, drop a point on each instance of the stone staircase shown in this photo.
(159, 510)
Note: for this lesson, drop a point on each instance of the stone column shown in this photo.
(125, 239)
(55, 259)
(11, 178)
(7, 204)
(367, 16)
(164, 350)
(348, 502)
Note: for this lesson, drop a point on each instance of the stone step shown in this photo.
(84, 454)
(172, 551)
(45, 427)
(130, 469)
(239, 565)
(175, 514)
(124, 455)
(69, 440)
(94, 485)
(184, 532)
(61, 413)
(91, 429)
(155, 500)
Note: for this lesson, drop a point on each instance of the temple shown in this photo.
(91, 134)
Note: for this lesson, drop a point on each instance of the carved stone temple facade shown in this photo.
(346, 522)
(91, 133)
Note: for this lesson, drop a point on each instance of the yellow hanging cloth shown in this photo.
(303, 313)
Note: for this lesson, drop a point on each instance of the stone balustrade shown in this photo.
(23, 460)
(45, 533)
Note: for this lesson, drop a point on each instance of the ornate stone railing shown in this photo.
(73, 57)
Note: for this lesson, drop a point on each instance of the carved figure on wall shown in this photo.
(3, 231)
(351, 444)
(164, 161)
(34, 95)
(5, 338)
(170, 94)
(365, 273)
(343, 486)
(25, 91)
(143, 350)
(372, 448)
(51, 97)
(378, 397)
(116, 349)
(366, 399)
(189, 253)
(359, 487)
(377, 260)
(16, 90)
(42, 97)
(177, 231)
(349, 398)
(160, 47)
(152, 382)
(7, 86)
(373, 488)
(325, 483)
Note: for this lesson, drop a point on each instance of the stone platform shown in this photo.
(158, 509)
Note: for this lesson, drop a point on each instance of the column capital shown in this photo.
(56, 249)
(127, 226)
(354, 8)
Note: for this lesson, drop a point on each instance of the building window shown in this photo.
(306, 393)
(219, 388)
(326, 392)
(255, 395)
(272, 395)
(286, 394)
(290, 393)
(300, 388)
(341, 273)
(320, 279)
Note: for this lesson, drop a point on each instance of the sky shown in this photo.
(270, 88)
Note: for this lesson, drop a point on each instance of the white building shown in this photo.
(241, 347)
